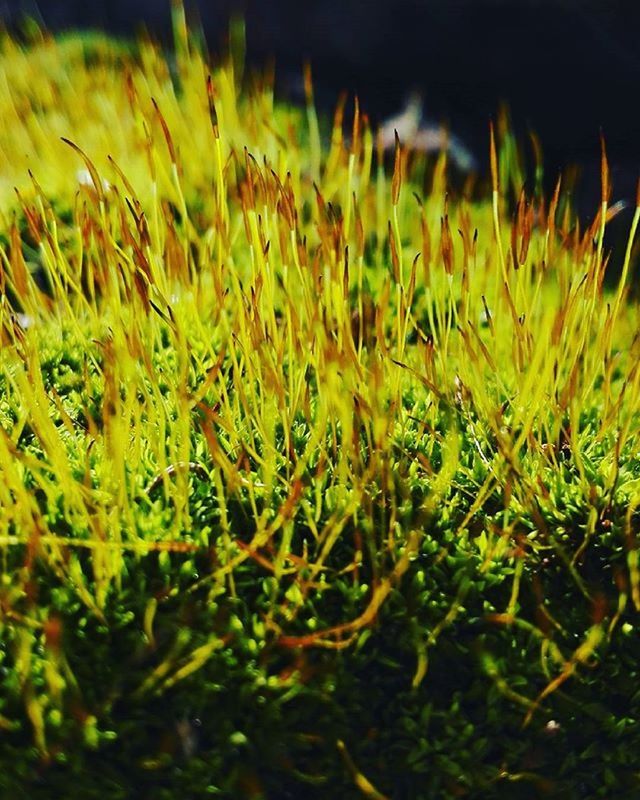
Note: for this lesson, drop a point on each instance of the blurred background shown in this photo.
(567, 69)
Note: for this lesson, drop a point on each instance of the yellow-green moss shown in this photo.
(310, 480)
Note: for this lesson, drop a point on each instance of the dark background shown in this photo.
(567, 69)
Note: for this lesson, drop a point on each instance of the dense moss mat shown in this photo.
(313, 481)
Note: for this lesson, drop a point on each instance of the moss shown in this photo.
(300, 491)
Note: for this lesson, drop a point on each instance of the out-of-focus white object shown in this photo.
(24, 321)
(420, 134)
(83, 176)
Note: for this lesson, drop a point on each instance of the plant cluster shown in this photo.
(311, 478)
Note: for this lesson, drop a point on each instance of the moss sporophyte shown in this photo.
(311, 479)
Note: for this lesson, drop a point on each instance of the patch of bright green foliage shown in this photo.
(311, 481)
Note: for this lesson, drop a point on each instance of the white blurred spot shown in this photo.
(24, 321)
(83, 176)
(552, 726)
(427, 137)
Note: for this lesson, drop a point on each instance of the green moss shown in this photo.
(285, 507)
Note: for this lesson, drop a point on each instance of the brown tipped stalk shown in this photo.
(212, 107)
(446, 245)
(166, 133)
(93, 172)
(496, 210)
(355, 135)
(493, 156)
(396, 181)
(604, 172)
